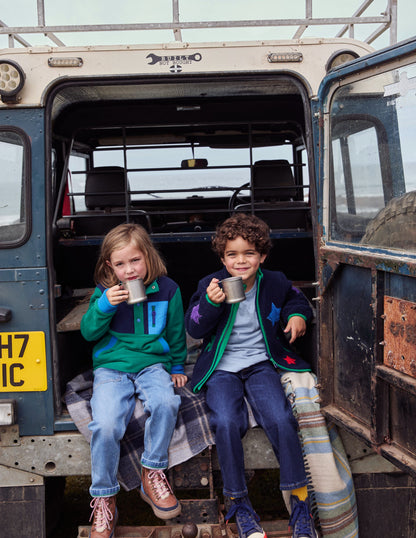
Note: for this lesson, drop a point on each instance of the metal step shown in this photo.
(273, 529)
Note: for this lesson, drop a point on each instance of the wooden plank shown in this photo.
(72, 321)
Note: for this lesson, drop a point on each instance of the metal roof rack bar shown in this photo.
(387, 20)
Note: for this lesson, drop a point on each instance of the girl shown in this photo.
(141, 351)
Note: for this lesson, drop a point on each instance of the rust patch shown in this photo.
(400, 335)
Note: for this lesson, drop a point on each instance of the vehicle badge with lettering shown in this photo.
(175, 62)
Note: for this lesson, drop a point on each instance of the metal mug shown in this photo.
(234, 289)
(136, 289)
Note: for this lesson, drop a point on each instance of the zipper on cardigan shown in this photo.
(220, 348)
(264, 333)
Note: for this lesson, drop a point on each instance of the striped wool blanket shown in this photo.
(331, 487)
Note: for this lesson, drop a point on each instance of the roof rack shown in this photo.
(387, 21)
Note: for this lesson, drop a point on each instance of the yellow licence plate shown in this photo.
(22, 362)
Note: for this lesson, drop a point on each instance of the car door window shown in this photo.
(14, 185)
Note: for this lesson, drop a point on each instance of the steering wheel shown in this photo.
(237, 198)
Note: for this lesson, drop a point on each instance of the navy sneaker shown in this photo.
(245, 518)
(301, 519)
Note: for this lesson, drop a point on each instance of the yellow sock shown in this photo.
(301, 493)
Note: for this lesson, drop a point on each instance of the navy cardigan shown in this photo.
(277, 300)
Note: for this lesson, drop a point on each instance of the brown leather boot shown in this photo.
(156, 491)
(104, 512)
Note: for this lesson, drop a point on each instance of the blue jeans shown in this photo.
(260, 384)
(112, 403)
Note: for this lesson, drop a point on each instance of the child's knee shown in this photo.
(108, 428)
(228, 426)
(283, 421)
(165, 401)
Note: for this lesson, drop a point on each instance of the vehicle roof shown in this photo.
(305, 59)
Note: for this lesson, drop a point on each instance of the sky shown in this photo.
(78, 12)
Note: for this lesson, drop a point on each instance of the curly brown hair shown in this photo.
(119, 237)
(249, 227)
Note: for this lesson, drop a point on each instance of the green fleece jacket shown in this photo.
(132, 337)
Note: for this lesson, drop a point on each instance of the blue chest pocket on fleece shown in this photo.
(156, 316)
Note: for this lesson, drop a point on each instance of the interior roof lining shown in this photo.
(196, 90)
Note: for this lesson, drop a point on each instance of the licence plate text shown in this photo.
(22, 362)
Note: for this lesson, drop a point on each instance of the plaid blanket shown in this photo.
(331, 487)
(191, 436)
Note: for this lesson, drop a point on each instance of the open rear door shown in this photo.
(25, 365)
(365, 132)
(365, 128)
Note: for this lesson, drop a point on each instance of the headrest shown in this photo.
(105, 179)
(270, 174)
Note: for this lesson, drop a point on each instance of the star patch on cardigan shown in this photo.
(274, 315)
(195, 315)
(289, 360)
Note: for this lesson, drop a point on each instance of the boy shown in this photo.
(243, 349)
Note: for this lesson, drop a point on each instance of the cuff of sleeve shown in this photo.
(177, 369)
(104, 304)
(300, 315)
(210, 302)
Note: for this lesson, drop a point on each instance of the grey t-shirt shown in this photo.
(246, 345)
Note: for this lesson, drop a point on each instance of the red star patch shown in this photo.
(289, 360)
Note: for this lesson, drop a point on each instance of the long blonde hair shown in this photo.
(119, 237)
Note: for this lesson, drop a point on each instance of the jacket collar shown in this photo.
(153, 287)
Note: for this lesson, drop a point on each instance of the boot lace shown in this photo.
(301, 521)
(101, 513)
(159, 484)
